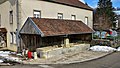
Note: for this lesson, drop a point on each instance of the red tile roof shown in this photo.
(75, 3)
(56, 27)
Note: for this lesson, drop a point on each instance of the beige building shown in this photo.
(14, 13)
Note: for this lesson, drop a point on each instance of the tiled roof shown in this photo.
(75, 3)
(56, 27)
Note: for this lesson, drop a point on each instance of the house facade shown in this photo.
(14, 13)
(117, 21)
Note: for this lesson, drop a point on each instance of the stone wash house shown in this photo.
(51, 20)
(43, 32)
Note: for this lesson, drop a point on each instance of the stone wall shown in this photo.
(48, 52)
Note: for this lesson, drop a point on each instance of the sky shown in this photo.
(93, 3)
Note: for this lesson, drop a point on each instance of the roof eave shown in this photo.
(68, 34)
(40, 32)
(70, 5)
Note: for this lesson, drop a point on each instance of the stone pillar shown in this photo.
(66, 42)
(35, 55)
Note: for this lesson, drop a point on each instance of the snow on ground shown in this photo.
(118, 49)
(102, 48)
(1, 61)
(6, 55)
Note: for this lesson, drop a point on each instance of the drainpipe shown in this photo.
(18, 25)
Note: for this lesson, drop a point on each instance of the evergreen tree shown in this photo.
(86, 3)
(105, 10)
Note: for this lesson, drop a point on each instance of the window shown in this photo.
(73, 17)
(14, 35)
(11, 37)
(37, 13)
(86, 20)
(11, 17)
(0, 20)
(60, 16)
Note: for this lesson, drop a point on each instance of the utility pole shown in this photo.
(18, 24)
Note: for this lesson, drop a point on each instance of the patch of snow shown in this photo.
(19, 54)
(13, 58)
(13, 52)
(102, 48)
(1, 61)
(1, 51)
(5, 55)
(118, 49)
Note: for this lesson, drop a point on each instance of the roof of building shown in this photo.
(74, 3)
(3, 30)
(56, 27)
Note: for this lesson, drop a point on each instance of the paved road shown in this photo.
(110, 61)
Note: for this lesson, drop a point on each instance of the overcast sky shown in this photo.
(93, 3)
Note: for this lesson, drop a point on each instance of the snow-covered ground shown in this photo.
(102, 48)
(118, 49)
(5, 55)
(1, 61)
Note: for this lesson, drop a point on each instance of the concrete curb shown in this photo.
(73, 62)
